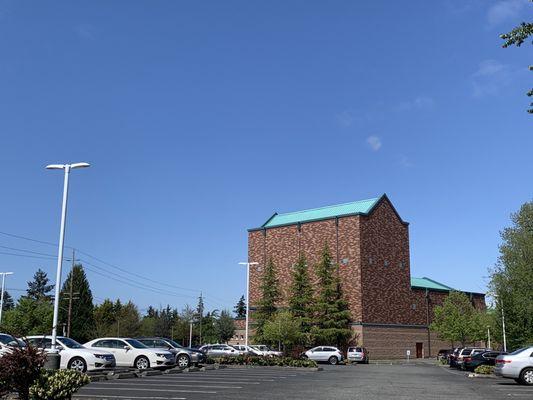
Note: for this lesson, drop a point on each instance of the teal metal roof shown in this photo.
(426, 283)
(356, 207)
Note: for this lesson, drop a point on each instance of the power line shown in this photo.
(49, 257)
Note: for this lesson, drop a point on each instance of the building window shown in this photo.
(401, 264)
(370, 260)
(413, 306)
(386, 263)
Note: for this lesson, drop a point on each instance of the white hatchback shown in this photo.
(74, 355)
(264, 350)
(132, 353)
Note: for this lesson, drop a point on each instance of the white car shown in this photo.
(7, 342)
(246, 350)
(132, 353)
(517, 365)
(74, 355)
(328, 354)
(266, 351)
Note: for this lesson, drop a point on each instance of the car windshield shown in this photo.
(466, 352)
(174, 344)
(136, 344)
(70, 343)
(7, 339)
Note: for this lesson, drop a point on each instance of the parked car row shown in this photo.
(333, 355)
(110, 352)
(226, 350)
(517, 365)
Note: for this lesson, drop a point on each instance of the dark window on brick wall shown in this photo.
(386, 263)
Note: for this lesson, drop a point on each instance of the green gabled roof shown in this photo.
(356, 207)
(426, 283)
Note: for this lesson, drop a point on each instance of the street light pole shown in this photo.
(66, 168)
(247, 297)
(488, 335)
(503, 327)
(3, 290)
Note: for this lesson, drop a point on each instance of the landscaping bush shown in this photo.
(484, 369)
(265, 361)
(57, 385)
(19, 368)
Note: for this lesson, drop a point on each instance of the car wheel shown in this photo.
(333, 360)
(142, 363)
(77, 364)
(183, 361)
(304, 357)
(526, 376)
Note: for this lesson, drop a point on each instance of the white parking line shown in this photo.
(145, 384)
(197, 381)
(106, 387)
(127, 397)
(214, 380)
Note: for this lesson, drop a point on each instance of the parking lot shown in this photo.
(414, 381)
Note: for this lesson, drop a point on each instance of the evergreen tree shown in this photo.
(9, 304)
(225, 327)
(512, 280)
(199, 318)
(269, 297)
(301, 297)
(82, 316)
(240, 308)
(105, 319)
(209, 331)
(128, 320)
(39, 288)
(332, 315)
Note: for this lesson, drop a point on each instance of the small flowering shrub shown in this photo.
(266, 361)
(484, 369)
(57, 385)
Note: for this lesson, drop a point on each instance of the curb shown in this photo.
(97, 378)
(150, 373)
(173, 371)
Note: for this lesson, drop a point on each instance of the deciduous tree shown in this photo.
(225, 326)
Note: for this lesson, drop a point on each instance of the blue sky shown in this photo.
(201, 119)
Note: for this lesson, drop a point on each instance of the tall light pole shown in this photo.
(488, 335)
(3, 290)
(503, 323)
(248, 264)
(66, 168)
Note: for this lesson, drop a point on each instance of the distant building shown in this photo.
(391, 311)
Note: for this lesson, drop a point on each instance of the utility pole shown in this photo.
(3, 290)
(190, 334)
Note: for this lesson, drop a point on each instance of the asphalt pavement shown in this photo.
(370, 382)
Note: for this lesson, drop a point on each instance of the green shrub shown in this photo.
(484, 369)
(265, 361)
(57, 385)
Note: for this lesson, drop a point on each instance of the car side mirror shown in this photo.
(127, 348)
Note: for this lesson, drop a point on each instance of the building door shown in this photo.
(419, 349)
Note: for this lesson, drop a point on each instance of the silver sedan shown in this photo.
(517, 365)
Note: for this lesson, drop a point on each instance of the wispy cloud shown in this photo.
(374, 142)
(86, 31)
(404, 161)
(419, 102)
(490, 77)
(345, 118)
(504, 11)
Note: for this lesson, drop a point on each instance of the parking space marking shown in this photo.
(232, 382)
(127, 397)
(152, 383)
(108, 387)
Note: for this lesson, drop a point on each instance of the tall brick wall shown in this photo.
(284, 244)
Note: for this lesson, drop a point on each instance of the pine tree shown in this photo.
(332, 315)
(39, 289)
(269, 297)
(240, 308)
(82, 315)
(105, 319)
(9, 304)
(301, 296)
(200, 308)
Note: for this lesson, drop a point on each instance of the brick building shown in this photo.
(390, 310)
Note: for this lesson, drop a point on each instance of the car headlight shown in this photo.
(162, 355)
(100, 356)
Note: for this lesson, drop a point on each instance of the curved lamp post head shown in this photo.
(71, 166)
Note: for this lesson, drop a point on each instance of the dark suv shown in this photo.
(470, 363)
